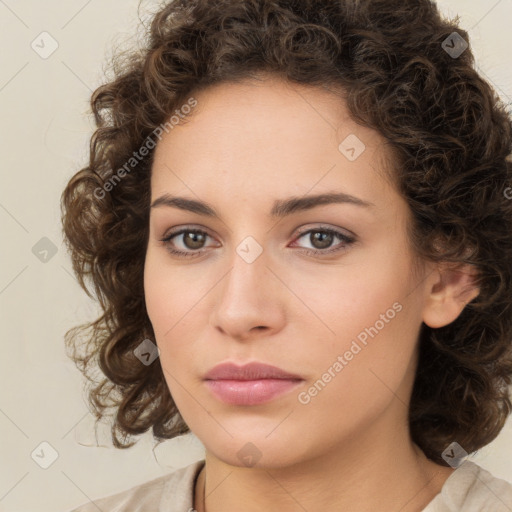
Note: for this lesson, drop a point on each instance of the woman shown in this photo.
(295, 219)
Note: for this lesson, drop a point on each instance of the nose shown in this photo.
(250, 299)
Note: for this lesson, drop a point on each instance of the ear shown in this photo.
(448, 290)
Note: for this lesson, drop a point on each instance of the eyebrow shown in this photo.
(281, 207)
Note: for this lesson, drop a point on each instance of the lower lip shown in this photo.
(250, 392)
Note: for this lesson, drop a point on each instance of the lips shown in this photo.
(251, 384)
(251, 371)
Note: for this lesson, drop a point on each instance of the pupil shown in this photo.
(193, 237)
(324, 238)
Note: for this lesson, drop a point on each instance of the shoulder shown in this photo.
(472, 488)
(168, 493)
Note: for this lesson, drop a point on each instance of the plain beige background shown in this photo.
(45, 130)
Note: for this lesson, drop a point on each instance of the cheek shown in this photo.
(165, 305)
(367, 367)
(364, 294)
(374, 320)
(171, 293)
(175, 303)
(159, 302)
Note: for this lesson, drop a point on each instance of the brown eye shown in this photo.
(190, 242)
(193, 239)
(322, 239)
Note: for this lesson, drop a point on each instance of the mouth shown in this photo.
(251, 384)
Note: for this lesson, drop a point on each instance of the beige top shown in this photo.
(468, 489)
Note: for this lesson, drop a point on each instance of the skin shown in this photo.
(245, 145)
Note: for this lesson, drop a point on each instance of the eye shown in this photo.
(322, 239)
(191, 242)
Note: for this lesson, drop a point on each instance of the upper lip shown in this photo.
(250, 371)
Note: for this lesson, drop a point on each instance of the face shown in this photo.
(323, 290)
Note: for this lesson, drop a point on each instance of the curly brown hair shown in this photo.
(451, 137)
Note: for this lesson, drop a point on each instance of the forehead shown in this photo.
(260, 139)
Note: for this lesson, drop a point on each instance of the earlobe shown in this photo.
(448, 290)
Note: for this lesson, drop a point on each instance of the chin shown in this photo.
(258, 453)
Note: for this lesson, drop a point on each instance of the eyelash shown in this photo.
(346, 241)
